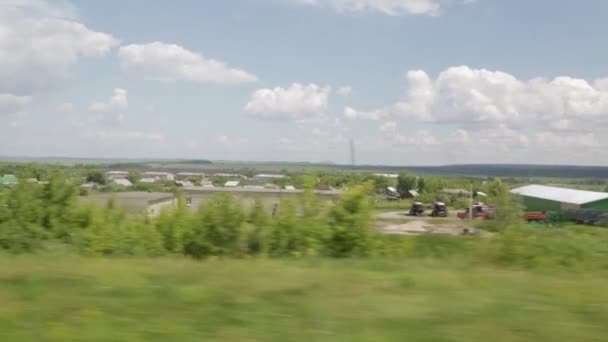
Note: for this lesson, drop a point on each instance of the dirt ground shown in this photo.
(400, 223)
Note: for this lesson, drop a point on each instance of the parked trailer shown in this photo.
(536, 216)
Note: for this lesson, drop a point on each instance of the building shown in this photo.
(148, 180)
(159, 175)
(267, 177)
(115, 174)
(229, 175)
(151, 203)
(90, 185)
(232, 184)
(122, 182)
(184, 183)
(187, 175)
(550, 198)
(8, 180)
(207, 184)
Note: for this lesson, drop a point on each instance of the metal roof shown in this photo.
(8, 179)
(123, 182)
(562, 195)
(232, 183)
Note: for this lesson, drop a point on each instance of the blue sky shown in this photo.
(411, 81)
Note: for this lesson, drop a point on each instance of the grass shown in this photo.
(94, 299)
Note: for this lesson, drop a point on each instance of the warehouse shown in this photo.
(549, 198)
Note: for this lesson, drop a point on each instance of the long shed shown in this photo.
(550, 198)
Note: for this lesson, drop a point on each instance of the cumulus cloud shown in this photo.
(388, 7)
(294, 102)
(170, 62)
(39, 40)
(388, 126)
(12, 104)
(113, 110)
(117, 102)
(464, 95)
(345, 90)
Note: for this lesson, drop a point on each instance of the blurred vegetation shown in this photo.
(68, 298)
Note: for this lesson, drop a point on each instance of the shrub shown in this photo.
(216, 229)
(349, 219)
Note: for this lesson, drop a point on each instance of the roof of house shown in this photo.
(8, 179)
(117, 172)
(123, 182)
(563, 195)
(391, 188)
(414, 193)
(195, 174)
(232, 183)
(148, 180)
(289, 187)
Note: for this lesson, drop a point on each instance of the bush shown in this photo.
(349, 219)
(216, 229)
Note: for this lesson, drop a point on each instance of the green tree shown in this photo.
(349, 218)
(96, 177)
(422, 185)
(257, 230)
(134, 176)
(217, 229)
(508, 207)
(405, 183)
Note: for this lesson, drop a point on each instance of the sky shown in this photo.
(411, 82)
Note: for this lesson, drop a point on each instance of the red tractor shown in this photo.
(480, 212)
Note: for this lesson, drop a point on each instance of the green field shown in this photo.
(65, 298)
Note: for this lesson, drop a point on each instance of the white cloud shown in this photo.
(463, 95)
(389, 7)
(319, 132)
(118, 102)
(170, 62)
(345, 90)
(419, 138)
(111, 112)
(295, 102)
(66, 107)
(285, 141)
(388, 126)
(228, 141)
(374, 115)
(40, 40)
(12, 104)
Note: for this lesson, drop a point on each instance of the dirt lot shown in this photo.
(399, 223)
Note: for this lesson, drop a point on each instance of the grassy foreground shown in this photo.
(97, 299)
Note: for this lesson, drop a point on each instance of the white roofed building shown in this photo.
(550, 198)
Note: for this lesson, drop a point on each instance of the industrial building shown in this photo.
(554, 199)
